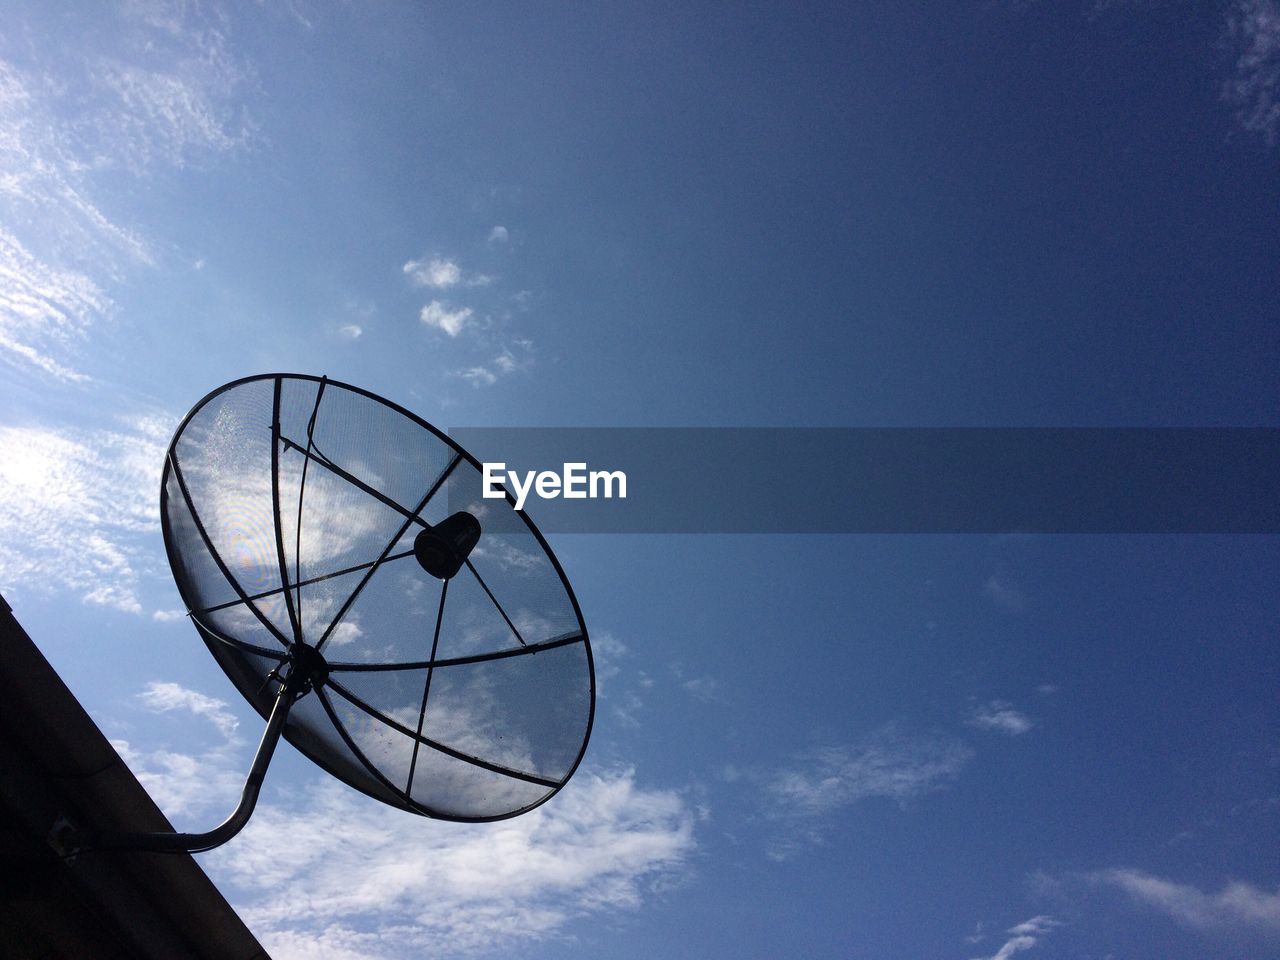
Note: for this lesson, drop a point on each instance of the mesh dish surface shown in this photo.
(289, 505)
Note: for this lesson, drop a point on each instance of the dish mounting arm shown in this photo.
(304, 672)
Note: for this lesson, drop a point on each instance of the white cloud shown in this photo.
(45, 312)
(351, 331)
(1254, 89)
(1238, 904)
(114, 595)
(78, 508)
(60, 251)
(1036, 926)
(168, 616)
(607, 651)
(348, 631)
(341, 876)
(234, 502)
(436, 314)
(1000, 716)
(704, 688)
(436, 272)
(441, 273)
(478, 376)
(884, 764)
(44, 175)
(170, 117)
(499, 234)
(614, 688)
(887, 764)
(185, 783)
(1024, 936)
(626, 707)
(164, 697)
(506, 362)
(180, 105)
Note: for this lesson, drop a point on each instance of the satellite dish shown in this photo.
(417, 641)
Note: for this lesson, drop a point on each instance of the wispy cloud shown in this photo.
(499, 234)
(478, 376)
(188, 782)
(365, 880)
(61, 252)
(615, 688)
(802, 796)
(507, 362)
(608, 652)
(78, 508)
(163, 697)
(483, 317)
(348, 631)
(46, 172)
(885, 764)
(358, 314)
(47, 307)
(1237, 905)
(1024, 936)
(442, 273)
(172, 117)
(180, 105)
(185, 784)
(704, 688)
(443, 318)
(1253, 27)
(44, 311)
(1000, 716)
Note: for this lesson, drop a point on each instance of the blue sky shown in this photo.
(995, 214)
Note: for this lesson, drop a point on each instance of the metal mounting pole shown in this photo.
(69, 840)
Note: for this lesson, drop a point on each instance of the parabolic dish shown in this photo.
(290, 506)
